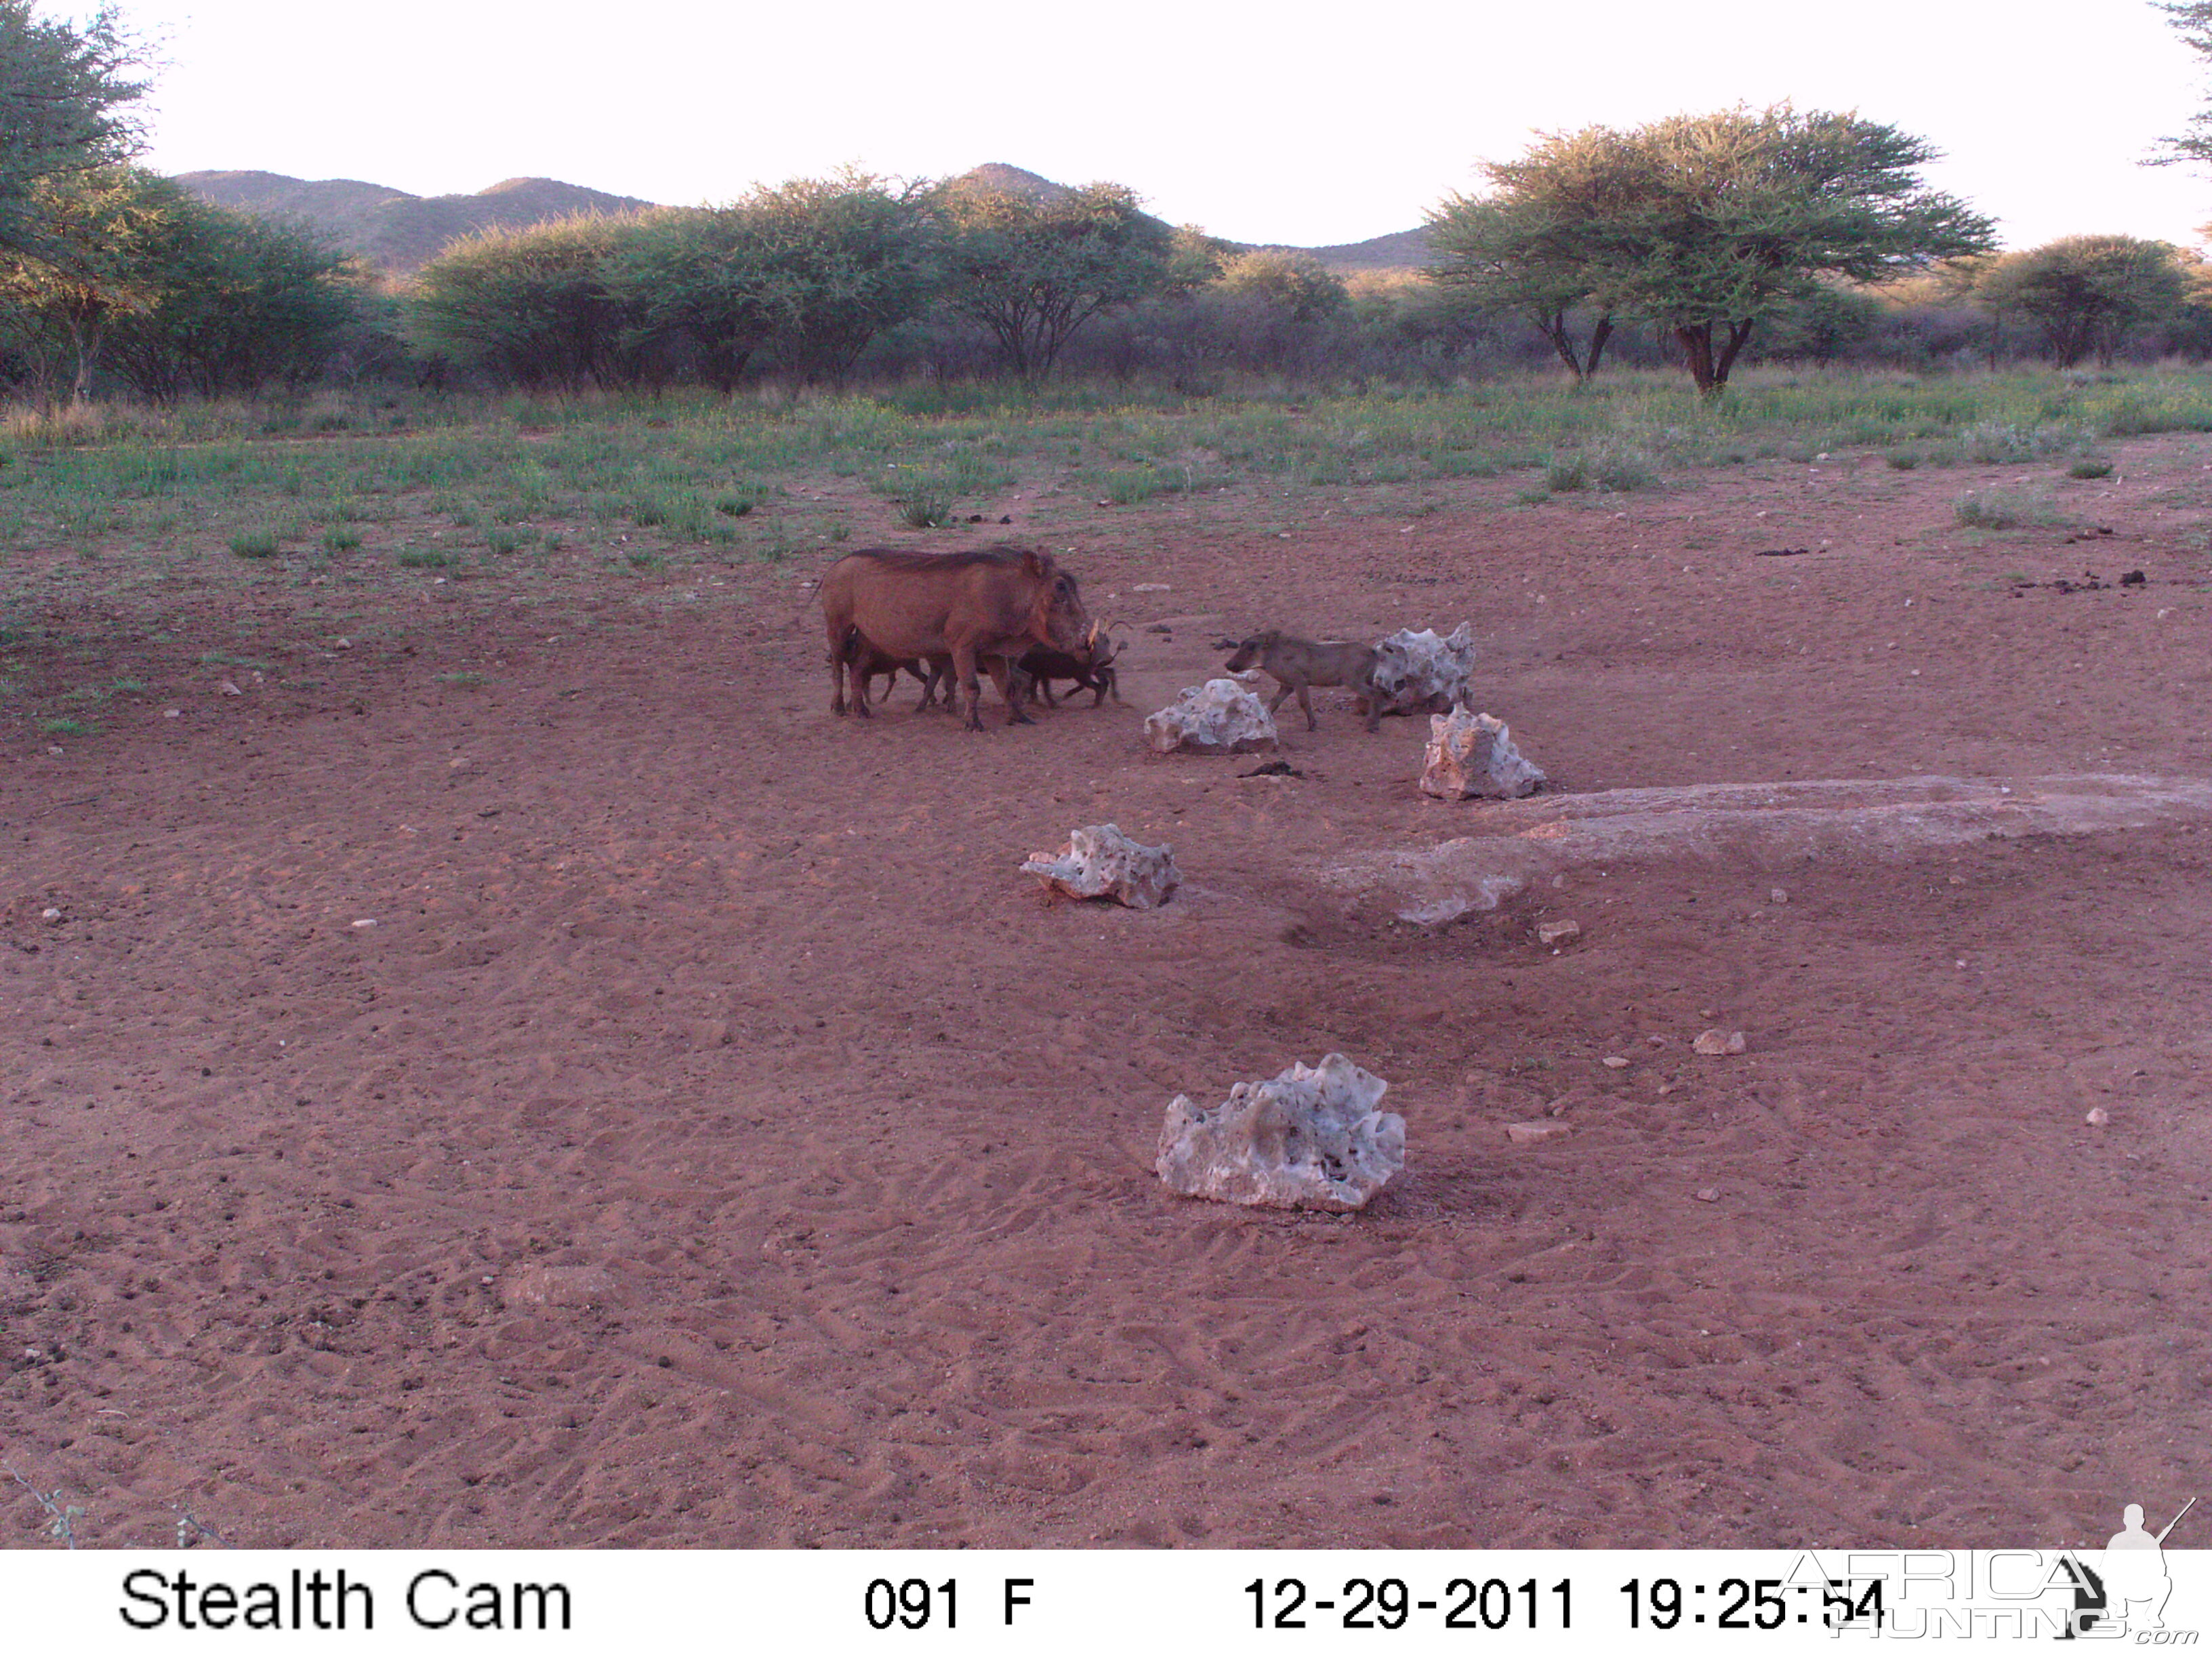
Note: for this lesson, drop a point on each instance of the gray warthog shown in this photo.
(1295, 664)
(987, 606)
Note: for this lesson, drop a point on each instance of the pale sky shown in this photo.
(1290, 122)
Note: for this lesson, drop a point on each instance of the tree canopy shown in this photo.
(2087, 293)
(1701, 224)
(1033, 272)
(65, 93)
(2192, 21)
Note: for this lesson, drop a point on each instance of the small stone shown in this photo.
(1529, 1134)
(1709, 1194)
(1101, 862)
(1657, 1042)
(1152, 587)
(1777, 895)
(458, 763)
(1717, 1042)
(229, 691)
(49, 913)
(1615, 1062)
(1220, 717)
(2098, 1117)
(365, 921)
(1556, 933)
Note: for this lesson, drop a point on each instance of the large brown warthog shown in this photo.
(987, 606)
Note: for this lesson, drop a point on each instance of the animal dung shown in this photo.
(1422, 674)
(1472, 756)
(1101, 862)
(1219, 718)
(1308, 1138)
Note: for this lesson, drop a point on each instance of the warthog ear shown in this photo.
(1036, 563)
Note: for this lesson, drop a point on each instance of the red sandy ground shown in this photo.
(715, 1141)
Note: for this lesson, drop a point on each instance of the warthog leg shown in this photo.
(1009, 680)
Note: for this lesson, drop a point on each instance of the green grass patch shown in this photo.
(254, 544)
(2005, 509)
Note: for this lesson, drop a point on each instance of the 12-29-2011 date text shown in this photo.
(1392, 1604)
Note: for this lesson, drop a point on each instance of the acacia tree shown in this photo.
(701, 278)
(535, 305)
(1288, 282)
(2087, 293)
(842, 259)
(97, 258)
(1035, 272)
(1526, 250)
(2192, 21)
(1705, 224)
(63, 90)
(237, 302)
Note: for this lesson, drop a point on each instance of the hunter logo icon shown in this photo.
(2137, 1584)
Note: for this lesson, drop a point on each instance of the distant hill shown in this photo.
(998, 176)
(399, 233)
(1402, 250)
(390, 229)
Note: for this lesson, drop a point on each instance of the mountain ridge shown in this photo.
(399, 233)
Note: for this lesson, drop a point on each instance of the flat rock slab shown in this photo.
(1514, 844)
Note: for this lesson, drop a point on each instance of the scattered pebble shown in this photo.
(365, 921)
(1152, 587)
(1778, 895)
(171, 713)
(1615, 1062)
(1714, 1041)
(229, 691)
(49, 913)
(1709, 1194)
(1556, 933)
(1527, 1134)
(2098, 1117)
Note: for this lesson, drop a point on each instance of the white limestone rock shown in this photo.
(1101, 862)
(1219, 718)
(1422, 674)
(1308, 1138)
(1472, 756)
